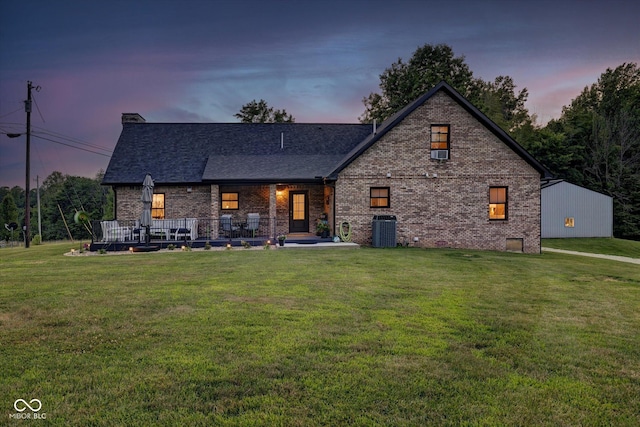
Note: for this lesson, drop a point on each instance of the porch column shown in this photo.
(330, 208)
(215, 201)
(272, 211)
(214, 212)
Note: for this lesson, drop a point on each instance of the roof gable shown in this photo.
(548, 183)
(391, 122)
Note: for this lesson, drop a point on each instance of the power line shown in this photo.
(72, 146)
(60, 136)
(37, 108)
(71, 139)
(13, 112)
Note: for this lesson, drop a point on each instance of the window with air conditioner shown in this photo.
(440, 142)
(440, 154)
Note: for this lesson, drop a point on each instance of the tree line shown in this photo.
(61, 197)
(595, 143)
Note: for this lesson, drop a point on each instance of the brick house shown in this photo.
(448, 174)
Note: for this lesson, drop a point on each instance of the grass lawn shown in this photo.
(607, 246)
(366, 337)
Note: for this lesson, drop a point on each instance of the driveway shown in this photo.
(603, 256)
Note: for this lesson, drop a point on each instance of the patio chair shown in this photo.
(113, 232)
(138, 233)
(253, 222)
(228, 228)
(187, 229)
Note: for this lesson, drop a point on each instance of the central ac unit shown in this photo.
(440, 154)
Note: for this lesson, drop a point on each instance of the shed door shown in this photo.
(298, 212)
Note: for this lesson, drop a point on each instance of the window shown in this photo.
(439, 142)
(229, 201)
(379, 197)
(157, 206)
(569, 222)
(498, 203)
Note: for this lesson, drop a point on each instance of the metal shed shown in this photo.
(569, 210)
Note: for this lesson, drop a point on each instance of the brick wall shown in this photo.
(203, 202)
(451, 209)
(179, 203)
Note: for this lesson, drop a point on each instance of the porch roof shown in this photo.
(269, 168)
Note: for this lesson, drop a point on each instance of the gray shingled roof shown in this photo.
(190, 153)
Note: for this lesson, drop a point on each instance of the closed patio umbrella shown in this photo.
(147, 200)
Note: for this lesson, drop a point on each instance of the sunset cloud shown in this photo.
(183, 61)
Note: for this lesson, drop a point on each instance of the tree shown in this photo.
(4, 191)
(500, 102)
(403, 82)
(601, 128)
(70, 194)
(107, 198)
(8, 214)
(260, 112)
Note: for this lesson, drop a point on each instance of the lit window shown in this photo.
(229, 201)
(379, 197)
(569, 222)
(498, 203)
(439, 142)
(157, 206)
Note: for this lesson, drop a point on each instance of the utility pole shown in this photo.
(27, 205)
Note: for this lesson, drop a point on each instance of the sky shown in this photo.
(201, 61)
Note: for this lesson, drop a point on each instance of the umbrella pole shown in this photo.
(147, 236)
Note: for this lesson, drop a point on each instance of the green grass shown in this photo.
(368, 337)
(607, 246)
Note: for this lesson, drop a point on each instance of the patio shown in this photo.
(122, 235)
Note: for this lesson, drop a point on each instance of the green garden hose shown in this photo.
(345, 237)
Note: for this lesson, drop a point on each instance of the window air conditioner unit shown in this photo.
(440, 154)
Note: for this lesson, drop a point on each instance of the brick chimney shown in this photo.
(132, 118)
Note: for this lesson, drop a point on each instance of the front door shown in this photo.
(298, 212)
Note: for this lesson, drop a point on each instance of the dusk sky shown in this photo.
(200, 61)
